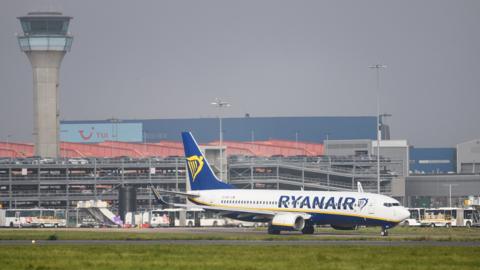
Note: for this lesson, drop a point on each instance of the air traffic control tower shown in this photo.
(45, 41)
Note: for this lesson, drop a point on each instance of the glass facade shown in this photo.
(45, 26)
(51, 43)
(45, 31)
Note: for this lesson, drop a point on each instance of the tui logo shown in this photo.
(195, 165)
(84, 136)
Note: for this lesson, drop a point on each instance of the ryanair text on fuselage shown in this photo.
(316, 202)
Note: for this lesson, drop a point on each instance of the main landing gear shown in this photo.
(272, 230)
(308, 229)
(384, 232)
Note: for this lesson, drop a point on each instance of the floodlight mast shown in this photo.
(377, 68)
(220, 104)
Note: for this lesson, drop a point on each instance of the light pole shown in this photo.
(114, 121)
(220, 104)
(450, 192)
(145, 143)
(8, 143)
(296, 140)
(377, 68)
(64, 152)
(326, 144)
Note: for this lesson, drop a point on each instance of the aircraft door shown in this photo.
(371, 207)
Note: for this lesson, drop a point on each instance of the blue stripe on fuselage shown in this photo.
(324, 219)
(343, 220)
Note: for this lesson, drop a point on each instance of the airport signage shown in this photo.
(95, 132)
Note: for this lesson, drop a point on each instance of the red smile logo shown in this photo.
(86, 137)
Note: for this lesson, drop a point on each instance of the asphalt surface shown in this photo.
(242, 242)
(316, 240)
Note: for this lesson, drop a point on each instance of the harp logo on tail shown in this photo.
(195, 165)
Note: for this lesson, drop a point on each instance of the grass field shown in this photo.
(396, 234)
(236, 257)
(223, 256)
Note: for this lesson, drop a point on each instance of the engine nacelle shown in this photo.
(344, 228)
(289, 221)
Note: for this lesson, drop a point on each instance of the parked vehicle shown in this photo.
(194, 217)
(42, 218)
(416, 215)
(441, 217)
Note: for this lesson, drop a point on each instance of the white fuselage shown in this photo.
(357, 207)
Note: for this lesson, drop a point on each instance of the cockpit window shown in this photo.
(390, 204)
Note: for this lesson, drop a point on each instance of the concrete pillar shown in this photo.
(45, 67)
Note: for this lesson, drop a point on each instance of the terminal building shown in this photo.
(468, 157)
(103, 159)
(102, 156)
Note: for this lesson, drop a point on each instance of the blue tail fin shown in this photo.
(200, 174)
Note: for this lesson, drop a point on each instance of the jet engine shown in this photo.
(289, 221)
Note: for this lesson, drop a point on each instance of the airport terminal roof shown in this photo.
(164, 149)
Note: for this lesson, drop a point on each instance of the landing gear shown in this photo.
(271, 230)
(384, 232)
(308, 229)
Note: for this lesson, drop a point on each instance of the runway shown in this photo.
(244, 242)
(238, 236)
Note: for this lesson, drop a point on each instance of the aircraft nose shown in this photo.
(404, 214)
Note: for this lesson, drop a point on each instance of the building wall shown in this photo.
(434, 189)
(347, 147)
(396, 151)
(101, 132)
(432, 160)
(468, 157)
(307, 129)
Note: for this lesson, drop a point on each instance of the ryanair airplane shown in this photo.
(285, 210)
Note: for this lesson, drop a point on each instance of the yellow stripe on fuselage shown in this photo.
(308, 211)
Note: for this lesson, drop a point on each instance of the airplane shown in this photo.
(284, 210)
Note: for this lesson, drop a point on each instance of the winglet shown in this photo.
(360, 188)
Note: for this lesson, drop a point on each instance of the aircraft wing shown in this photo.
(230, 210)
(219, 209)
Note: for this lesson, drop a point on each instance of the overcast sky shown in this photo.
(170, 59)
